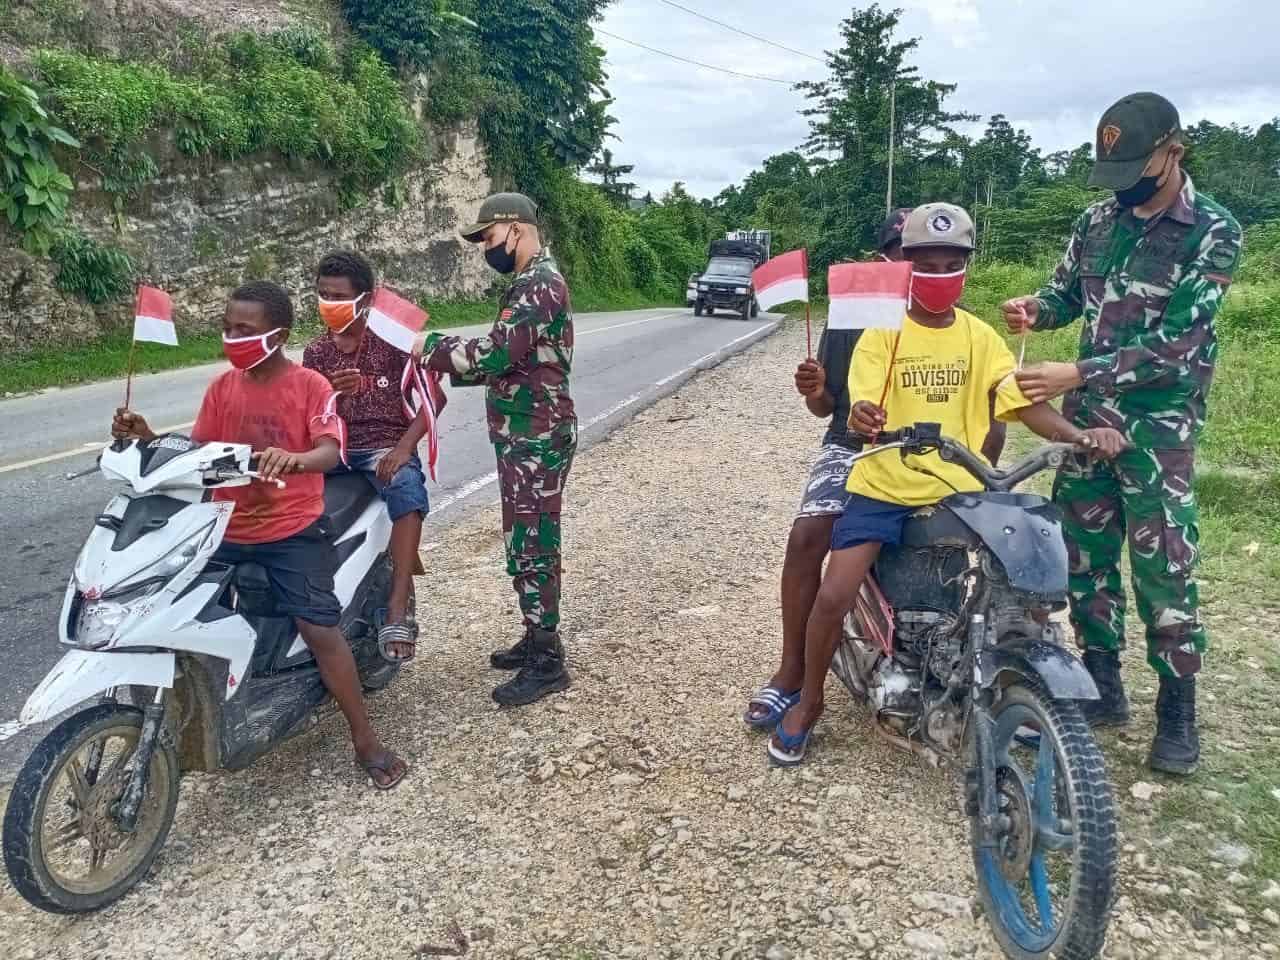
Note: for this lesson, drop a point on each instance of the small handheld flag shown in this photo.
(870, 296)
(153, 317)
(152, 323)
(782, 279)
(395, 319)
(422, 394)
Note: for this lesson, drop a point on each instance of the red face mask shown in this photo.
(245, 353)
(937, 292)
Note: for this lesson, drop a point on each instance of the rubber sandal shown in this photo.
(791, 748)
(383, 762)
(776, 704)
(396, 633)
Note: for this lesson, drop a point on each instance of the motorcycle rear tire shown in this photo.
(1083, 782)
(23, 838)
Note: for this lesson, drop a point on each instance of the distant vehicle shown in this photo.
(691, 291)
(726, 282)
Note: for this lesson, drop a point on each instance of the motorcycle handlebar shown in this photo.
(923, 437)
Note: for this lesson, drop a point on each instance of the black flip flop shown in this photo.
(383, 762)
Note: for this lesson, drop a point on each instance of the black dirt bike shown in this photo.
(951, 646)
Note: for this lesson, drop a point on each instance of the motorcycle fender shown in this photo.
(1062, 674)
(82, 674)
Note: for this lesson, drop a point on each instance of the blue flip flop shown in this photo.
(775, 702)
(791, 749)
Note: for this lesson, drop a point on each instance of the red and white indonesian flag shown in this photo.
(868, 296)
(422, 394)
(153, 317)
(782, 279)
(395, 319)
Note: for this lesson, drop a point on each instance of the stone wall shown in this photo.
(199, 229)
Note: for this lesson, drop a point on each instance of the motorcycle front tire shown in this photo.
(23, 838)
(1083, 784)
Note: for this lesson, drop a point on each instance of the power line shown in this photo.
(721, 23)
(696, 63)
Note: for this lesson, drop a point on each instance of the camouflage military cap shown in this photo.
(501, 208)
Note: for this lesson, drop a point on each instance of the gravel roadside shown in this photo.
(631, 817)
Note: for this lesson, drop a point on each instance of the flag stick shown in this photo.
(888, 379)
(1022, 349)
(808, 332)
(133, 347)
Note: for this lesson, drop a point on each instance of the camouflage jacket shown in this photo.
(1148, 292)
(524, 360)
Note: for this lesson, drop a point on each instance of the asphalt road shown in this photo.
(623, 362)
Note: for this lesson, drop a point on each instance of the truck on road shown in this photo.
(726, 282)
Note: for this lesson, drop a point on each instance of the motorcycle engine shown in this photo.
(928, 635)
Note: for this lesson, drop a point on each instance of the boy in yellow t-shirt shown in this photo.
(947, 369)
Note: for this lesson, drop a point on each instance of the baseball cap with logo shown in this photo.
(501, 208)
(938, 225)
(1132, 129)
(891, 229)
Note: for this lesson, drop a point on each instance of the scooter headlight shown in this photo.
(98, 621)
(167, 567)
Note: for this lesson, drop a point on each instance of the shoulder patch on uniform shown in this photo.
(507, 314)
(1223, 259)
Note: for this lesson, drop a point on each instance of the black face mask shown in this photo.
(1142, 191)
(498, 257)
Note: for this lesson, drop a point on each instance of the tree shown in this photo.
(618, 191)
(849, 130)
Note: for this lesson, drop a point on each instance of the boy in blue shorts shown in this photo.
(382, 440)
(947, 368)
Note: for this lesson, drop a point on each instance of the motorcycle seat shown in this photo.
(937, 526)
(346, 496)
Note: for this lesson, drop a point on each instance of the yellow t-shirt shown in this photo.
(939, 376)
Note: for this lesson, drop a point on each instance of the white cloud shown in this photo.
(1051, 66)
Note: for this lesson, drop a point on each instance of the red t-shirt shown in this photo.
(283, 412)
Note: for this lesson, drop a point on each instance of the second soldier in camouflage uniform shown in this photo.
(524, 363)
(1147, 270)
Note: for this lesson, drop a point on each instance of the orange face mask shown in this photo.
(339, 314)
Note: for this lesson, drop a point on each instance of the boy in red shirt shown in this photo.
(280, 409)
(382, 440)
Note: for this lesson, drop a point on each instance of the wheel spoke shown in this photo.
(1046, 771)
(79, 786)
(64, 837)
(1040, 890)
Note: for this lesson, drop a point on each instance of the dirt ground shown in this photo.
(633, 816)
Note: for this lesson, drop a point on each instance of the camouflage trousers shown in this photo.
(531, 477)
(1144, 497)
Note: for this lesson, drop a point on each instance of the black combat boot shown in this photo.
(513, 657)
(542, 673)
(1176, 748)
(1111, 709)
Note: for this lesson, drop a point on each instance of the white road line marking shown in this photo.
(629, 323)
(78, 451)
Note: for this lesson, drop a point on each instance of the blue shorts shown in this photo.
(300, 570)
(869, 521)
(407, 490)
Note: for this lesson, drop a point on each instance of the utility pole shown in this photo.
(893, 92)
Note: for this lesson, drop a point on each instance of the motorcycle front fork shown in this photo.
(980, 780)
(131, 800)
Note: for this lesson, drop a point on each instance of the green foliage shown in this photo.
(408, 33)
(33, 190)
(91, 270)
(1262, 252)
(254, 94)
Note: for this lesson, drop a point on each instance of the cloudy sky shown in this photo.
(1051, 66)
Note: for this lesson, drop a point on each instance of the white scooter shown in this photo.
(214, 677)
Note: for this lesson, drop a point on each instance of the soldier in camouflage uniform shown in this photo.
(524, 364)
(1147, 270)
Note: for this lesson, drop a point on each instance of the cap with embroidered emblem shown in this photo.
(1131, 130)
(938, 225)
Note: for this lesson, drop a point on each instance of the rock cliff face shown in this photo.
(200, 228)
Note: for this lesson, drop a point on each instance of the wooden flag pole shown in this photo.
(888, 380)
(133, 348)
(808, 332)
